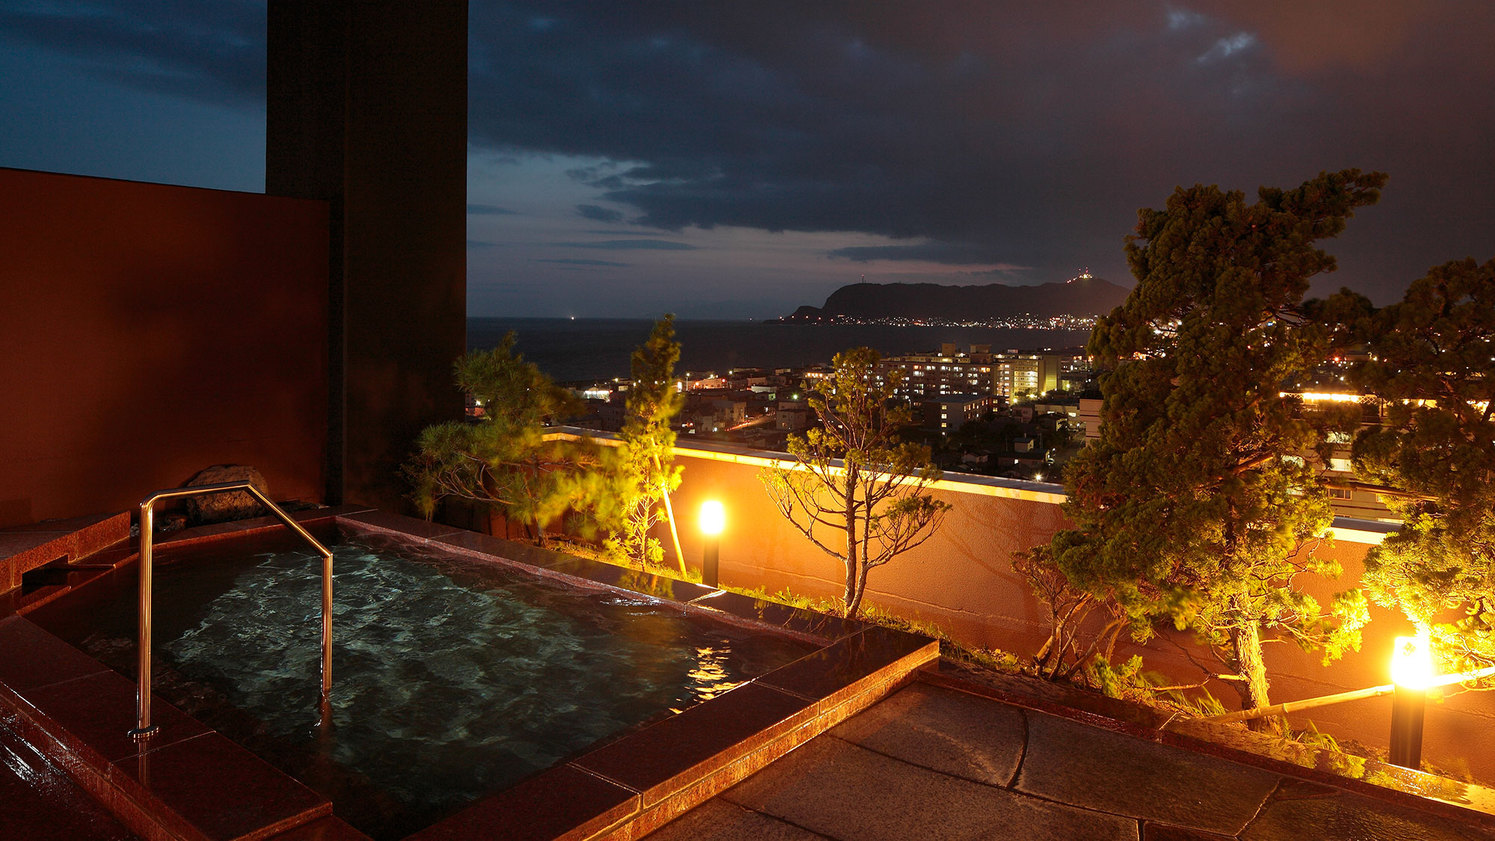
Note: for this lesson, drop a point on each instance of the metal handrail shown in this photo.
(143, 727)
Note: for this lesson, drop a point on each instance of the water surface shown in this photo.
(452, 677)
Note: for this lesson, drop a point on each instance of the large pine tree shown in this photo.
(1196, 502)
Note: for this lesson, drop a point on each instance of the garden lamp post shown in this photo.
(713, 520)
(1411, 672)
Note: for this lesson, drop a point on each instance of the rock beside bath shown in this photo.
(219, 507)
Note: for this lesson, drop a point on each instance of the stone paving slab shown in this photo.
(722, 821)
(951, 732)
(1304, 810)
(850, 793)
(1087, 766)
(936, 762)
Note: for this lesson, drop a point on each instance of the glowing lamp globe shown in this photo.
(1412, 662)
(713, 517)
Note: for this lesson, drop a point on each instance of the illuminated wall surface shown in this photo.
(962, 580)
(148, 332)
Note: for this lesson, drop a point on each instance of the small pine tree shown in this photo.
(646, 474)
(856, 490)
(504, 460)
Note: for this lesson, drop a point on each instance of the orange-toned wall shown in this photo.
(962, 580)
(147, 332)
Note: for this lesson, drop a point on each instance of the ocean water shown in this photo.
(597, 349)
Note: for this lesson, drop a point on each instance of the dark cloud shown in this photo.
(603, 263)
(211, 52)
(487, 210)
(1027, 134)
(598, 213)
(981, 132)
(631, 245)
(954, 254)
(477, 243)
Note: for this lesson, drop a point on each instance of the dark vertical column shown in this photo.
(367, 109)
(306, 115)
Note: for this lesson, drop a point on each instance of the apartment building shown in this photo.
(949, 412)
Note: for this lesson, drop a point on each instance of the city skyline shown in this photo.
(739, 162)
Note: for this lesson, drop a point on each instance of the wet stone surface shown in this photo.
(1097, 769)
(1163, 832)
(39, 802)
(950, 732)
(931, 762)
(843, 791)
(1346, 817)
(730, 822)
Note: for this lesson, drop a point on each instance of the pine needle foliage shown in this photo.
(1432, 370)
(1196, 504)
(645, 470)
(503, 460)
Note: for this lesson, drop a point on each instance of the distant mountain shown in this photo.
(1083, 295)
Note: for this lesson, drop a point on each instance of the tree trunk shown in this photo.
(669, 515)
(849, 598)
(1245, 639)
(861, 588)
(853, 560)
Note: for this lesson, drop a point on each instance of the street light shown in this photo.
(1411, 672)
(713, 521)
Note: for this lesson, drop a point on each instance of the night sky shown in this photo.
(740, 159)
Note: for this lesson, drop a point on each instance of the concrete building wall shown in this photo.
(149, 331)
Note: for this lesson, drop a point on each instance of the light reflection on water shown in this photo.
(451, 678)
(712, 675)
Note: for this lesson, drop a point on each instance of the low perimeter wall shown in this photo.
(962, 580)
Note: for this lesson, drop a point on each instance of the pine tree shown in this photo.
(505, 460)
(1432, 370)
(1197, 503)
(857, 491)
(645, 469)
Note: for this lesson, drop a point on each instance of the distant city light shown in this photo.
(1324, 396)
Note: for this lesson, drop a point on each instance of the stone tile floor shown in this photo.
(39, 802)
(936, 763)
(931, 763)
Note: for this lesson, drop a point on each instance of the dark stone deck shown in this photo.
(934, 762)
